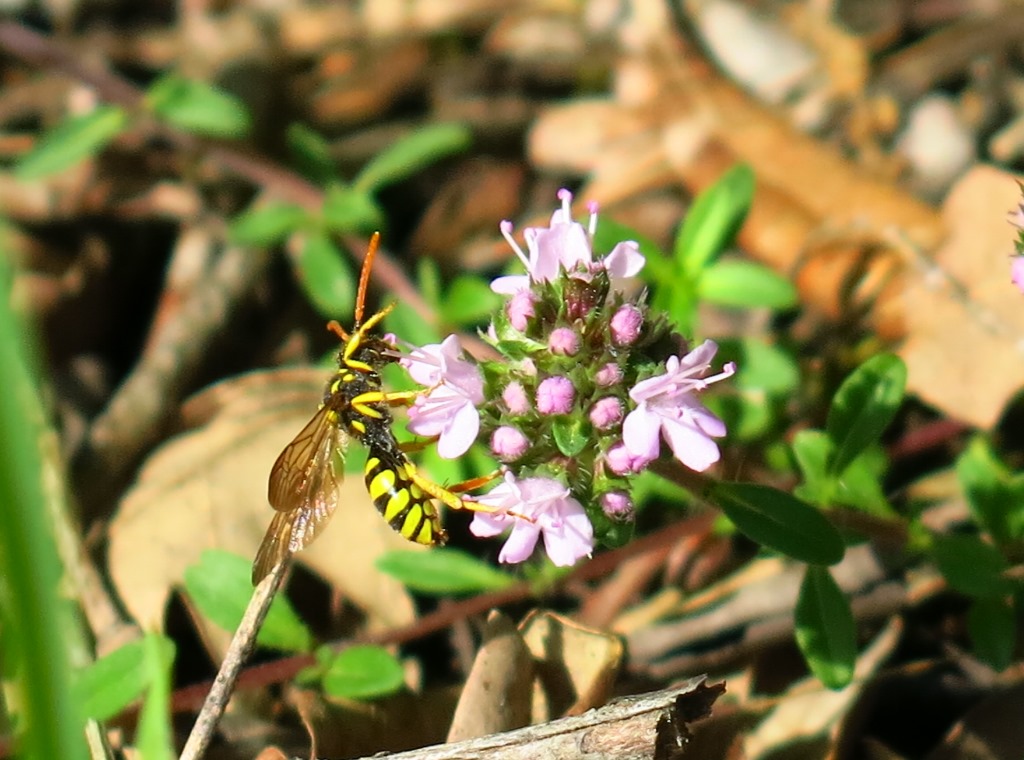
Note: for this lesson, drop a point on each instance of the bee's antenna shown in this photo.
(364, 277)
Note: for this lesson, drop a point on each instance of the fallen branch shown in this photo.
(644, 727)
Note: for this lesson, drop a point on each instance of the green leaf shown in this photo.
(971, 566)
(347, 210)
(995, 497)
(326, 277)
(105, 687)
(153, 738)
(745, 285)
(713, 220)
(992, 625)
(267, 225)
(571, 434)
(197, 107)
(864, 406)
(408, 155)
(220, 586)
(311, 154)
(825, 631)
(860, 484)
(428, 276)
(762, 366)
(811, 449)
(363, 672)
(443, 571)
(470, 301)
(71, 141)
(779, 521)
(748, 416)
(36, 632)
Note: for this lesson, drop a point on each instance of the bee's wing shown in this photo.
(303, 489)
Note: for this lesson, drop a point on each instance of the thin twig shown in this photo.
(241, 646)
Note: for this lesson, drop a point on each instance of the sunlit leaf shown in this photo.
(221, 588)
(153, 738)
(714, 219)
(105, 687)
(825, 629)
(746, 284)
(71, 141)
(363, 672)
(198, 107)
(268, 224)
(326, 277)
(443, 571)
(408, 155)
(863, 407)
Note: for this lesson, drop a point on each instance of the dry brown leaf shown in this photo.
(575, 666)
(963, 302)
(499, 688)
(207, 488)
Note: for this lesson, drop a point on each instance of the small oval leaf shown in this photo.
(443, 571)
(411, 153)
(347, 210)
(267, 225)
(220, 586)
(863, 407)
(746, 285)
(972, 566)
(363, 672)
(326, 277)
(714, 220)
(197, 107)
(105, 687)
(825, 630)
(779, 521)
(71, 141)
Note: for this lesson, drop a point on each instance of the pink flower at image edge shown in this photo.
(1017, 272)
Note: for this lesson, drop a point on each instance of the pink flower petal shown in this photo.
(510, 284)
(521, 542)
(640, 433)
(488, 525)
(624, 260)
(690, 446)
(459, 432)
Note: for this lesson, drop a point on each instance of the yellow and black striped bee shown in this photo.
(304, 480)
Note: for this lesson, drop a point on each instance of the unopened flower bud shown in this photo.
(555, 395)
(606, 413)
(621, 462)
(617, 505)
(563, 341)
(508, 444)
(626, 325)
(610, 374)
(515, 398)
(520, 309)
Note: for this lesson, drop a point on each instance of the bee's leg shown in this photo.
(474, 483)
(451, 499)
(361, 403)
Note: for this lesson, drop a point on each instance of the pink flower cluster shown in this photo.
(582, 390)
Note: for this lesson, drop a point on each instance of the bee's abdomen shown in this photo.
(403, 504)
